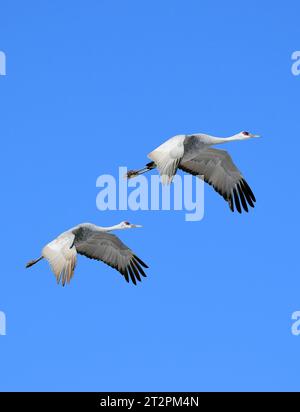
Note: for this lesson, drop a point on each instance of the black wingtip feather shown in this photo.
(141, 262)
(137, 275)
(125, 274)
(139, 268)
(230, 202)
(237, 201)
(131, 275)
(242, 198)
(246, 193)
(249, 190)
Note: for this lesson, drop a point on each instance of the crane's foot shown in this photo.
(131, 173)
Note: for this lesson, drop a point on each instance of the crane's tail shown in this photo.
(33, 262)
(133, 173)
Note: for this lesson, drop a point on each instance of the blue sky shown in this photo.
(93, 85)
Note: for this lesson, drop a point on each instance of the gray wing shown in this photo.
(109, 249)
(219, 171)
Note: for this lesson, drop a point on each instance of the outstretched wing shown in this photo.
(219, 171)
(167, 157)
(61, 255)
(109, 249)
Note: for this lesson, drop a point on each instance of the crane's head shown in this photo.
(127, 225)
(247, 135)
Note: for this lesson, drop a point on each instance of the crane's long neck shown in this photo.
(110, 228)
(219, 140)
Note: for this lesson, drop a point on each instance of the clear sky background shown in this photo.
(93, 85)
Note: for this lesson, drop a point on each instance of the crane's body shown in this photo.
(94, 242)
(193, 154)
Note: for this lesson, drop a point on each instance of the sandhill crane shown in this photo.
(94, 242)
(193, 154)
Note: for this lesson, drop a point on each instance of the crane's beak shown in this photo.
(255, 135)
(135, 225)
